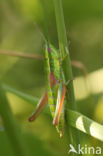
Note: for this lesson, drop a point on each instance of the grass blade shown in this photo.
(72, 134)
(86, 125)
(12, 129)
(24, 96)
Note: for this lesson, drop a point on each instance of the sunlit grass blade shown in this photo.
(84, 124)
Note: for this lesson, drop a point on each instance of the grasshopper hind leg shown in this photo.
(40, 107)
(59, 105)
(58, 120)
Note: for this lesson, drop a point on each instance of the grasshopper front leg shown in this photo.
(40, 107)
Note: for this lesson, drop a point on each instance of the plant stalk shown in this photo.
(66, 66)
(21, 54)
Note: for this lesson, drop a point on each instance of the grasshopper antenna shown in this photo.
(39, 30)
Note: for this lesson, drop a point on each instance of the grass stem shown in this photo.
(63, 47)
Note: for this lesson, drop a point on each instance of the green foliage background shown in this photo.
(84, 25)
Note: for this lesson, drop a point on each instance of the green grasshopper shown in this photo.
(56, 89)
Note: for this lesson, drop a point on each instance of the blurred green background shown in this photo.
(84, 25)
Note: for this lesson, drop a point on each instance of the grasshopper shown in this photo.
(56, 89)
